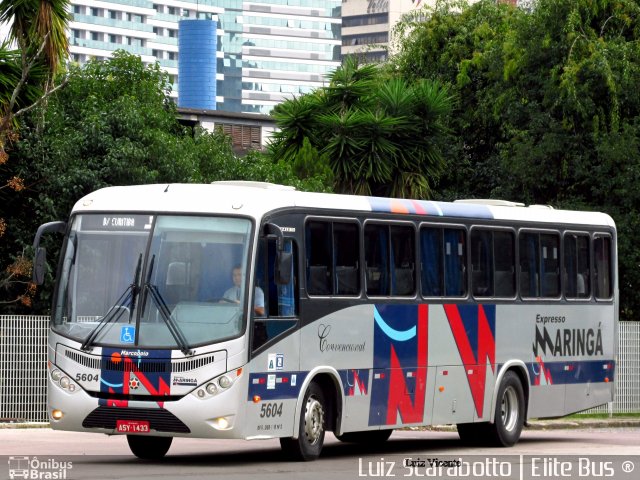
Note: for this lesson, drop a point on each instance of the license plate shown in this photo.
(132, 426)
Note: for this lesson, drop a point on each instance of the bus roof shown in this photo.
(255, 199)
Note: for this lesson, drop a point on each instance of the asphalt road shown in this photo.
(580, 453)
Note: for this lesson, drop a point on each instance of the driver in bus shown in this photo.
(233, 294)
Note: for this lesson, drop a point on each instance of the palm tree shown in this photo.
(380, 134)
(38, 28)
(27, 75)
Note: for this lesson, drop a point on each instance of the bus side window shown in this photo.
(482, 263)
(281, 307)
(505, 263)
(455, 260)
(529, 265)
(602, 267)
(376, 246)
(550, 275)
(576, 266)
(432, 261)
(319, 259)
(346, 251)
(403, 281)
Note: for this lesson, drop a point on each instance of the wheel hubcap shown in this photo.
(313, 420)
(509, 408)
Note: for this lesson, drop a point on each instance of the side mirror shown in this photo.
(40, 258)
(39, 265)
(284, 259)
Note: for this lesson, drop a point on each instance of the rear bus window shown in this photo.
(602, 267)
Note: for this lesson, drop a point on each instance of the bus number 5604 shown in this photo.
(271, 410)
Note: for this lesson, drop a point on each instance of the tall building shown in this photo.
(367, 25)
(265, 50)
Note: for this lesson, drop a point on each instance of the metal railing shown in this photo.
(23, 359)
(23, 368)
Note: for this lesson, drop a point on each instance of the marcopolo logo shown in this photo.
(134, 353)
(34, 468)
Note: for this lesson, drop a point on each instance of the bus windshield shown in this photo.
(153, 281)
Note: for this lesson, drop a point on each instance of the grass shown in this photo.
(578, 416)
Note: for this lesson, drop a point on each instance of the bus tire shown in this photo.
(149, 448)
(311, 428)
(368, 437)
(509, 414)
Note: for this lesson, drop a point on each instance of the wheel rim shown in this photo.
(313, 420)
(509, 408)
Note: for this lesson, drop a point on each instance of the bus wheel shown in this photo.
(149, 448)
(368, 437)
(311, 430)
(509, 414)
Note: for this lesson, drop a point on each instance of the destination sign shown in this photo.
(119, 223)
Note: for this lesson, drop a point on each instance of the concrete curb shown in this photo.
(556, 424)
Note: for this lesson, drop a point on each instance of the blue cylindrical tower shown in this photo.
(197, 64)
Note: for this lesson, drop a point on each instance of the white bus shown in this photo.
(254, 311)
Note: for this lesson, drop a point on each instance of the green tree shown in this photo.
(381, 134)
(548, 109)
(113, 124)
(38, 28)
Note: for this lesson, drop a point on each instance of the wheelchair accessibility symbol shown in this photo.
(127, 334)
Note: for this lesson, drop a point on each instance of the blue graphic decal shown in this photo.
(397, 335)
(355, 382)
(275, 386)
(134, 372)
(561, 373)
(399, 365)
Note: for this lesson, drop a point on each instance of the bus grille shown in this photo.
(148, 366)
(159, 419)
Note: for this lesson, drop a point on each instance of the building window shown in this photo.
(360, 20)
(173, 33)
(96, 12)
(243, 137)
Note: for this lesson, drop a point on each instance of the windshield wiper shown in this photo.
(165, 313)
(128, 297)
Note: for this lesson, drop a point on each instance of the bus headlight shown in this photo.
(224, 381)
(62, 380)
(212, 389)
(216, 385)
